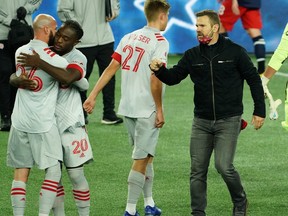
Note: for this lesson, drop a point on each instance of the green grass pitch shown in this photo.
(261, 160)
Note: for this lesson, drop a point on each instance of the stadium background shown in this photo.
(180, 32)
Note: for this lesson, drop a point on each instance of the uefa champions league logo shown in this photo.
(139, 4)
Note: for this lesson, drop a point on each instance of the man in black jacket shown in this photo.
(218, 68)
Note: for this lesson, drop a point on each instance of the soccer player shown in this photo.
(34, 136)
(141, 99)
(69, 116)
(250, 15)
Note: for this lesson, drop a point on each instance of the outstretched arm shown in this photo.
(106, 76)
(64, 75)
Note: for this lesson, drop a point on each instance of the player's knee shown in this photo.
(78, 178)
(54, 173)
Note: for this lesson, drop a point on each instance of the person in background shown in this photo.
(20, 9)
(97, 44)
(250, 15)
(215, 67)
(141, 99)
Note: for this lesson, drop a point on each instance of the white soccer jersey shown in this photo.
(135, 52)
(34, 111)
(69, 111)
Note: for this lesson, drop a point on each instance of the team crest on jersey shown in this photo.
(287, 33)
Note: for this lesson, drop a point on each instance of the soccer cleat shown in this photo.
(127, 214)
(86, 120)
(152, 211)
(111, 120)
(240, 210)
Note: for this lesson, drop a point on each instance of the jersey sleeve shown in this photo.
(116, 7)
(161, 51)
(77, 67)
(82, 84)
(117, 55)
(281, 53)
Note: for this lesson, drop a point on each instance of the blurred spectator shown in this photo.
(249, 13)
(20, 9)
(97, 44)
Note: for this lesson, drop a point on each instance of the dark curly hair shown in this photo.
(76, 27)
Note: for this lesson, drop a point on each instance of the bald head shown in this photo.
(44, 27)
(43, 20)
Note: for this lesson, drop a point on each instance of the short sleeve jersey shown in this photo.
(69, 111)
(135, 52)
(281, 53)
(34, 111)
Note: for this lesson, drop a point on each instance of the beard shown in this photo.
(205, 39)
(51, 39)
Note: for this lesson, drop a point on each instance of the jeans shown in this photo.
(220, 136)
(7, 92)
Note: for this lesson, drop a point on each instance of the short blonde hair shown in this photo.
(153, 7)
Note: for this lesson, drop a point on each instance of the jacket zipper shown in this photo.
(212, 85)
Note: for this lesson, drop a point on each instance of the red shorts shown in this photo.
(250, 18)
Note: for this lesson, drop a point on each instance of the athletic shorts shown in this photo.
(250, 18)
(27, 149)
(143, 135)
(76, 147)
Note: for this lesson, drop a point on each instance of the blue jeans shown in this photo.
(220, 136)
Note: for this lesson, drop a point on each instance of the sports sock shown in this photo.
(49, 189)
(81, 190)
(136, 182)
(18, 197)
(58, 206)
(259, 49)
(148, 186)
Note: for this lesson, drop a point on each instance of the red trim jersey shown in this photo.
(135, 52)
(69, 111)
(34, 111)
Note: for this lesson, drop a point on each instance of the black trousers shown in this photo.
(7, 92)
(102, 55)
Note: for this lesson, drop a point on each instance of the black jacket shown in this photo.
(218, 73)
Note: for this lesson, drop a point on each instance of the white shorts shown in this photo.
(76, 147)
(143, 135)
(27, 149)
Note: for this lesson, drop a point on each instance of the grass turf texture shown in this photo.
(261, 160)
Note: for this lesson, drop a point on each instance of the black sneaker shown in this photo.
(5, 123)
(86, 120)
(111, 120)
(240, 210)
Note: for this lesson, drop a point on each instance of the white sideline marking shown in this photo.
(281, 74)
